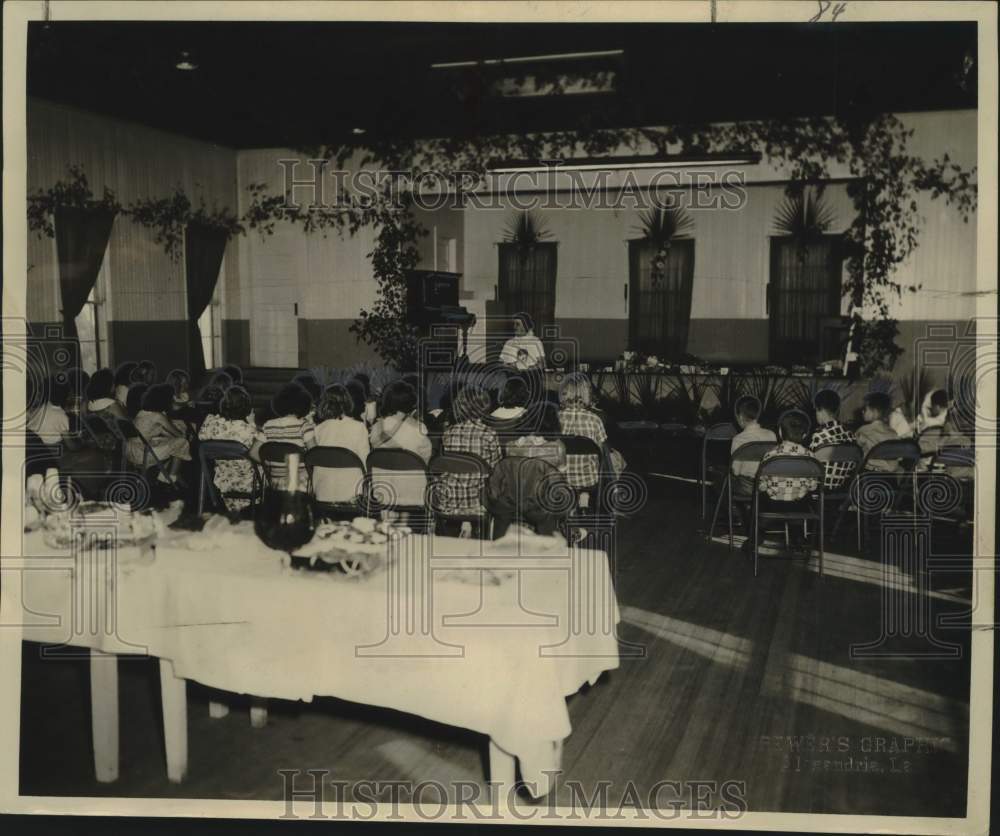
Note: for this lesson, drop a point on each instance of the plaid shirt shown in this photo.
(835, 473)
(787, 488)
(582, 471)
(458, 492)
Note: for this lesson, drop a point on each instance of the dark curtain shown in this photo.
(528, 282)
(660, 311)
(806, 288)
(204, 248)
(81, 239)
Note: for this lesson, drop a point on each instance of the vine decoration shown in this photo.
(74, 193)
(886, 180)
(168, 217)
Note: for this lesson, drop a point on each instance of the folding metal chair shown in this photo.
(210, 452)
(718, 434)
(274, 459)
(752, 451)
(334, 459)
(844, 453)
(905, 454)
(128, 431)
(789, 467)
(450, 463)
(392, 472)
(964, 457)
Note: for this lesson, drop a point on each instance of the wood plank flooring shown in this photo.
(743, 679)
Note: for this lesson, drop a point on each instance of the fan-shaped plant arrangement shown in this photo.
(805, 218)
(661, 226)
(526, 229)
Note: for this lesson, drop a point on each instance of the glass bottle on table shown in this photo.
(285, 518)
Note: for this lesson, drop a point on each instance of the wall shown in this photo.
(731, 270)
(148, 306)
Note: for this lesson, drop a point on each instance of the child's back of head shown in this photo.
(747, 410)
(878, 405)
(794, 427)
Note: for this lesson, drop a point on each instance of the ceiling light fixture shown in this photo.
(185, 63)
(357, 131)
(526, 59)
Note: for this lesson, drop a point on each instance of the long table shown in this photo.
(458, 631)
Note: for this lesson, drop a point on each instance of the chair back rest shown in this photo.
(958, 456)
(895, 449)
(752, 451)
(394, 458)
(277, 452)
(222, 450)
(335, 458)
(455, 463)
(801, 467)
(397, 477)
(844, 452)
(578, 445)
(726, 431)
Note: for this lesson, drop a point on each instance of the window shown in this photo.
(92, 324)
(210, 324)
(528, 282)
(660, 305)
(803, 296)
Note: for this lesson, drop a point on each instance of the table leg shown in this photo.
(104, 714)
(258, 712)
(502, 774)
(173, 693)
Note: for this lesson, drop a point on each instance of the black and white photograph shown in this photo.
(524, 412)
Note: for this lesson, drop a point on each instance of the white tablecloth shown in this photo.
(497, 659)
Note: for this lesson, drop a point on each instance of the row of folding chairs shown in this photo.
(904, 454)
(383, 469)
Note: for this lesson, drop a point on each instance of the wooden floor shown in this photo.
(741, 679)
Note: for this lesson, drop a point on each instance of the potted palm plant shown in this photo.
(660, 226)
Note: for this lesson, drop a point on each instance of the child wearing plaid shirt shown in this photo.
(577, 418)
(461, 491)
(786, 492)
(831, 431)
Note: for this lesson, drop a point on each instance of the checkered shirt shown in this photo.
(787, 488)
(460, 492)
(582, 471)
(835, 473)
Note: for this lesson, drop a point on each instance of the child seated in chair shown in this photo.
(876, 429)
(831, 431)
(743, 473)
(337, 426)
(787, 493)
(232, 423)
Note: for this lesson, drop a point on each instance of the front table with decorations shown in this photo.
(487, 636)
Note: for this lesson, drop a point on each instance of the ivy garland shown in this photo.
(886, 180)
(169, 217)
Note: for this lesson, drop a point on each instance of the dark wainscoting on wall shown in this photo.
(162, 341)
(329, 342)
(236, 341)
(730, 340)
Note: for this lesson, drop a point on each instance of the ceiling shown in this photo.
(305, 84)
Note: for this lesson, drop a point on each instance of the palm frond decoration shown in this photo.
(525, 229)
(661, 225)
(804, 217)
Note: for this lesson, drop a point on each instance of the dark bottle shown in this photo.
(285, 519)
